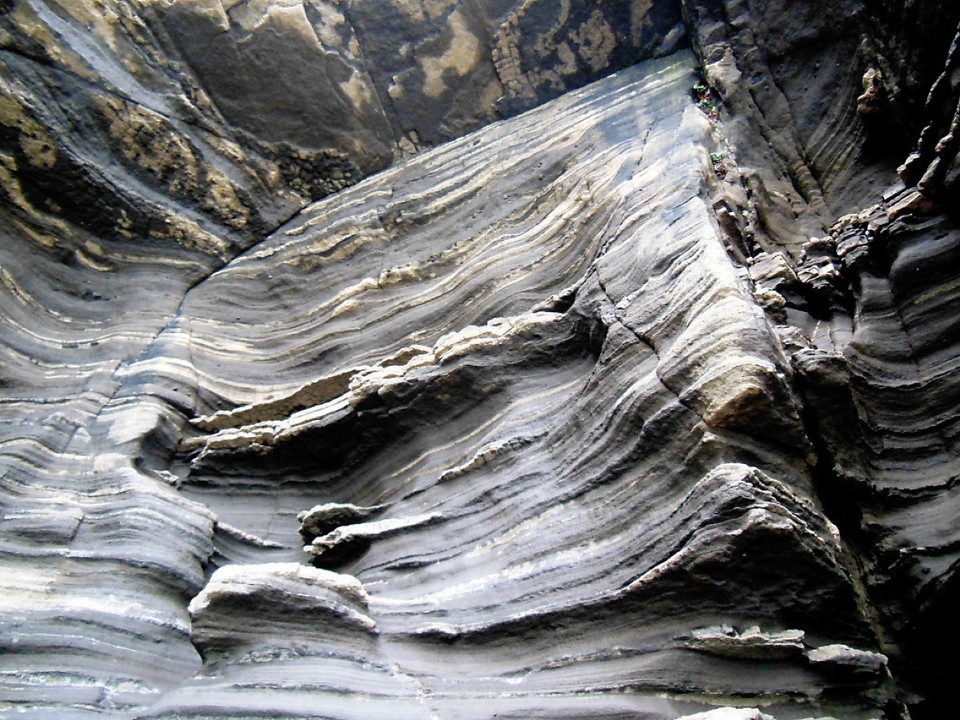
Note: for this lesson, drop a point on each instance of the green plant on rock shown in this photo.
(707, 101)
(719, 166)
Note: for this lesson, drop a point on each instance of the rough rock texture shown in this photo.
(240, 112)
(870, 286)
(641, 403)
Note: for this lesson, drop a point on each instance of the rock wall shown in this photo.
(854, 246)
(242, 112)
(329, 392)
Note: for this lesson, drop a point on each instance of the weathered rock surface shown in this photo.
(641, 403)
(241, 112)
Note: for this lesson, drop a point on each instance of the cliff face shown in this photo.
(336, 385)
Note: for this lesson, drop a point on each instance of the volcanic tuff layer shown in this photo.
(638, 404)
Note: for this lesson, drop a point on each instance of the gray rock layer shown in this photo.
(640, 403)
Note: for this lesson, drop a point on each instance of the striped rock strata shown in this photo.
(633, 405)
(530, 353)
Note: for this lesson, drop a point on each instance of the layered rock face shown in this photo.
(335, 385)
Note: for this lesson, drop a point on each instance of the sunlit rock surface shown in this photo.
(641, 403)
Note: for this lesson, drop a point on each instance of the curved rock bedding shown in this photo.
(478, 359)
